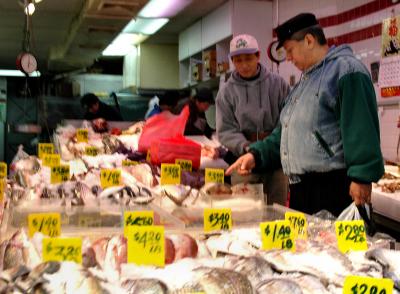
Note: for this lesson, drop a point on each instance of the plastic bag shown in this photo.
(21, 154)
(360, 212)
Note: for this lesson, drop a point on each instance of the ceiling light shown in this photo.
(146, 26)
(16, 73)
(29, 9)
(37, 1)
(123, 44)
(163, 8)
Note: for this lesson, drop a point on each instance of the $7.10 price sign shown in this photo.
(48, 224)
(59, 173)
(137, 218)
(277, 235)
(185, 164)
(367, 285)
(214, 175)
(298, 222)
(3, 170)
(351, 235)
(62, 249)
(110, 178)
(45, 148)
(170, 174)
(146, 245)
(82, 135)
(216, 219)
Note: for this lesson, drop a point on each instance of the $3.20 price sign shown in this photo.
(110, 178)
(62, 249)
(45, 148)
(137, 218)
(146, 245)
(91, 151)
(59, 174)
(3, 170)
(51, 160)
(170, 174)
(185, 164)
(277, 235)
(48, 224)
(214, 175)
(216, 219)
(82, 135)
(351, 235)
(367, 285)
(298, 222)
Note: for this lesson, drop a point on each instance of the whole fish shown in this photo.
(278, 286)
(390, 260)
(144, 286)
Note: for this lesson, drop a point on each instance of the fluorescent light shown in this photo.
(163, 8)
(147, 26)
(29, 9)
(123, 44)
(17, 73)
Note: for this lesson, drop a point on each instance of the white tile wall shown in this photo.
(389, 131)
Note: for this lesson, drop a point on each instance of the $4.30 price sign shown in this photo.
(146, 245)
(214, 175)
(45, 148)
(59, 173)
(277, 235)
(351, 235)
(298, 222)
(367, 285)
(51, 160)
(170, 174)
(3, 170)
(137, 218)
(48, 224)
(216, 219)
(62, 249)
(91, 151)
(82, 135)
(110, 178)
(185, 164)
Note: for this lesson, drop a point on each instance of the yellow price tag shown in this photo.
(89, 221)
(214, 175)
(137, 218)
(128, 162)
(185, 164)
(45, 148)
(170, 174)
(148, 156)
(2, 189)
(59, 174)
(3, 170)
(367, 285)
(51, 160)
(351, 235)
(298, 223)
(216, 219)
(110, 178)
(91, 151)
(277, 235)
(146, 245)
(82, 135)
(62, 249)
(48, 224)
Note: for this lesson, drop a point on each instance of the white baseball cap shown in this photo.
(243, 44)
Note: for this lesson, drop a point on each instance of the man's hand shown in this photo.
(361, 193)
(243, 165)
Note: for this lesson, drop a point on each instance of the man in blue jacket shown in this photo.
(328, 139)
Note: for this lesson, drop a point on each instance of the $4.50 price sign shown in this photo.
(214, 175)
(185, 164)
(48, 224)
(91, 151)
(351, 235)
(277, 235)
(367, 285)
(62, 249)
(59, 173)
(170, 174)
(51, 160)
(146, 245)
(82, 135)
(137, 218)
(298, 222)
(3, 170)
(110, 178)
(45, 148)
(216, 219)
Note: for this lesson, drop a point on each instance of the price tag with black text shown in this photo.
(82, 135)
(277, 235)
(298, 222)
(3, 170)
(351, 235)
(2, 189)
(51, 160)
(138, 218)
(110, 178)
(185, 164)
(216, 219)
(170, 174)
(214, 175)
(91, 151)
(45, 148)
(367, 285)
(128, 162)
(48, 224)
(59, 174)
(62, 249)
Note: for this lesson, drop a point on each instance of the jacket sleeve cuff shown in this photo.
(257, 157)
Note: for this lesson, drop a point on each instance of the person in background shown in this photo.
(247, 110)
(328, 139)
(96, 109)
(167, 102)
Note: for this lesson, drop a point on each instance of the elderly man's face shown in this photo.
(296, 53)
(246, 64)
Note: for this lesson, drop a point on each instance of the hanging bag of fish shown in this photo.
(360, 212)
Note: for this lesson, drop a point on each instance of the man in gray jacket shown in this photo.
(248, 108)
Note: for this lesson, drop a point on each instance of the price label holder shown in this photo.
(3, 170)
(137, 218)
(146, 245)
(214, 175)
(128, 162)
(298, 223)
(185, 164)
(367, 285)
(59, 174)
(216, 219)
(82, 135)
(62, 249)
(45, 148)
(48, 224)
(110, 178)
(91, 151)
(2, 189)
(277, 235)
(351, 235)
(170, 174)
(51, 160)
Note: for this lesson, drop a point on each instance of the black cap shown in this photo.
(204, 95)
(293, 25)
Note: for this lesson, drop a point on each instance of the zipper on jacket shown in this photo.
(323, 144)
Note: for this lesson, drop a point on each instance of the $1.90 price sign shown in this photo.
(137, 218)
(3, 170)
(82, 135)
(185, 164)
(51, 160)
(48, 224)
(367, 285)
(62, 249)
(170, 174)
(298, 222)
(59, 173)
(146, 245)
(351, 235)
(110, 178)
(45, 148)
(216, 219)
(91, 151)
(214, 175)
(128, 162)
(277, 235)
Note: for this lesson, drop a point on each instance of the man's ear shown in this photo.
(310, 41)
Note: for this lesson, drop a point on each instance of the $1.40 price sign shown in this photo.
(277, 235)
(185, 164)
(137, 218)
(146, 245)
(214, 175)
(82, 135)
(62, 249)
(51, 160)
(170, 174)
(59, 173)
(3, 170)
(48, 224)
(367, 285)
(110, 178)
(298, 222)
(45, 148)
(351, 235)
(216, 219)
(91, 151)
(128, 162)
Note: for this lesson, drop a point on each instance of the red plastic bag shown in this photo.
(163, 125)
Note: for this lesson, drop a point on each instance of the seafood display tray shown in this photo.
(386, 204)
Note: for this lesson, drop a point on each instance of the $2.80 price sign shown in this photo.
(110, 177)
(351, 235)
(137, 218)
(48, 224)
(45, 148)
(146, 245)
(216, 219)
(214, 175)
(277, 235)
(170, 174)
(59, 173)
(82, 135)
(367, 285)
(298, 222)
(62, 249)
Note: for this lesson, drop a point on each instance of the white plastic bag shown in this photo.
(360, 212)
(21, 154)
(350, 213)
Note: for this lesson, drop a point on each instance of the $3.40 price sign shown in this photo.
(185, 164)
(128, 162)
(82, 135)
(351, 235)
(170, 174)
(3, 170)
(45, 148)
(214, 175)
(146, 245)
(277, 235)
(91, 151)
(216, 219)
(367, 285)
(298, 222)
(62, 249)
(137, 218)
(110, 178)
(59, 174)
(48, 224)
(51, 160)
